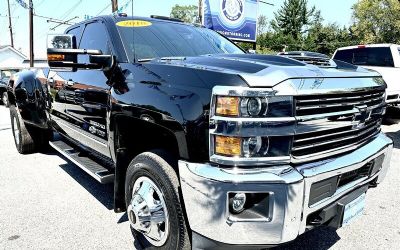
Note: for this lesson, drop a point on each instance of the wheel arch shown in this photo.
(152, 137)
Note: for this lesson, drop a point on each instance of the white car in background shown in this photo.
(383, 58)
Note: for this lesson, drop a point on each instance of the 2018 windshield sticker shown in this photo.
(134, 23)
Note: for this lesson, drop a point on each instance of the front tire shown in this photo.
(154, 206)
(4, 98)
(27, 139)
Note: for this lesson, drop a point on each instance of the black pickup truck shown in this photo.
(207, 146)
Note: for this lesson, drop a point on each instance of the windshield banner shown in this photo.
(236, 19)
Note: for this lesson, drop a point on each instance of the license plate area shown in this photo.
(353, 210)
(342, 212)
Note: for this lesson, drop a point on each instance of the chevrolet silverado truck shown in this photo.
(383, 58)
(207, 146)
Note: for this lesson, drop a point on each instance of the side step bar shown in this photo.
(100, 173)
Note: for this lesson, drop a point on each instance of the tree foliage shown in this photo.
(377, 21)
(187, 13)
(292, 17)
(262, 24)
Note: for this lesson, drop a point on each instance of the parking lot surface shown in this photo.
(46, 202)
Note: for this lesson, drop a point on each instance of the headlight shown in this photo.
(252, 147)
(272, 106)
(250, 126)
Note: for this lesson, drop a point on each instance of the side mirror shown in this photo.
(62, 54)
(105, 62)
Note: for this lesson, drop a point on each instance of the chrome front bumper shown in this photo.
(205, 192)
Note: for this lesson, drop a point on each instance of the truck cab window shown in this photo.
(94, 37)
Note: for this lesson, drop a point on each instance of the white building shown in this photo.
(11, 58)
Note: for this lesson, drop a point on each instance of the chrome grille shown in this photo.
(319, 104)
(333, 140)
(343, 122)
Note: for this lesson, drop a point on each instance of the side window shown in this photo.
(95, 37)
(77, 32)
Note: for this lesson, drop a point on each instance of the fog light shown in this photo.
(238, 202)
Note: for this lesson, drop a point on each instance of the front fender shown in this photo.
(29, 95)
(178, 110)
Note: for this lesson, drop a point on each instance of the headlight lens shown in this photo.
(253, 146)
(272, 106)
(254, 106)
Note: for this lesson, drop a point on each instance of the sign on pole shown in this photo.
(236, 19)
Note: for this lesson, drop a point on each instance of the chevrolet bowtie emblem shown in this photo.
(361, 117)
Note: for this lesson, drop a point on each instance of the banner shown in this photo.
(236, 19)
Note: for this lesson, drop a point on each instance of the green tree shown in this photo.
(187, 13)
(377, 21)
(327, 38)
(262, 24)
(292, 17)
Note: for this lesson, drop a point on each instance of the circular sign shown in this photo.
(232, 12)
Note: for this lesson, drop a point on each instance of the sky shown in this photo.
(338, 11)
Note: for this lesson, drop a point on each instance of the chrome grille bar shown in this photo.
(312, 105)
(327, 134)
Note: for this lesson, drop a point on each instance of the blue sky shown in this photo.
(338, 11)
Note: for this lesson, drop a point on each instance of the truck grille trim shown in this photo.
(313, 105)
(317, 144)
(333, 140)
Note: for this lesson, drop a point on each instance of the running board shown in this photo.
(79, 158)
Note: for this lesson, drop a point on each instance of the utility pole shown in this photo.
(201, 11)
(31, 56)
(114, 4)
(10, 24)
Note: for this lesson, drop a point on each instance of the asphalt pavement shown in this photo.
(46, 202)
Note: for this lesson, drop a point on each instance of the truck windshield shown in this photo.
(372, 56)
(166, 39)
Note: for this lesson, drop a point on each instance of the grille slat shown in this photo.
(322, 140)
(312, 105)
(329, 141)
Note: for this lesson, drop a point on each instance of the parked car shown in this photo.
(207, 146)
(309, 57)
(383, 58)
(5, 76)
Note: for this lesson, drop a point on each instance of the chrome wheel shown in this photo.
(4, 99)
(148, 212)
(16, 130)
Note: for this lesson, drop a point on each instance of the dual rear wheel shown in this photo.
(27, 138)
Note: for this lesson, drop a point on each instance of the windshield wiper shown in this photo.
(173, 58)
(170, 58)
(145, 60)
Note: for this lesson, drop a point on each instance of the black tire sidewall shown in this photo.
(148, 169)
(2, 99)
(14, 116)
